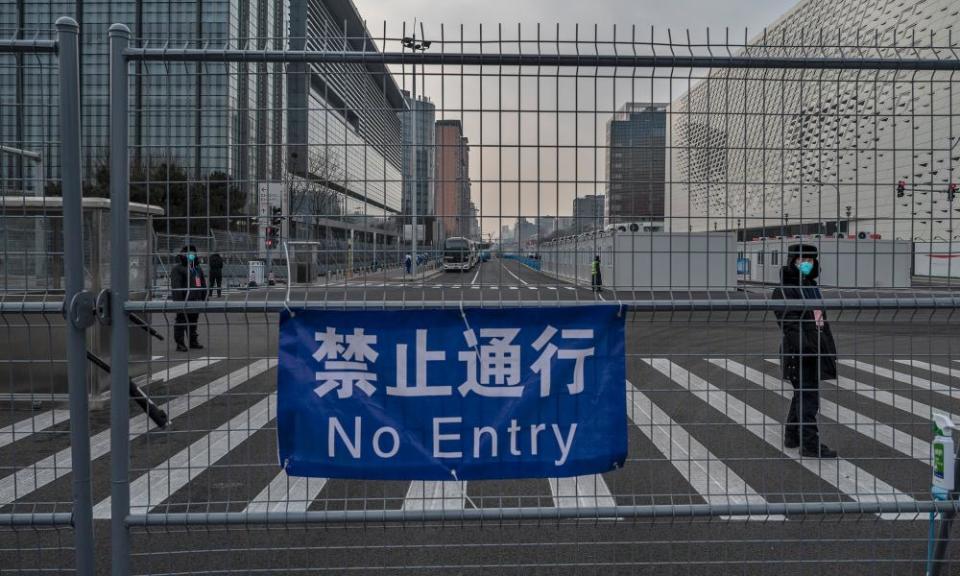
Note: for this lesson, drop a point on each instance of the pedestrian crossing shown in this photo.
(693, 418)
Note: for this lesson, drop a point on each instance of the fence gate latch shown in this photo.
(103, 307)
(80, 311)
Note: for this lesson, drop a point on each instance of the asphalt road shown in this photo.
(705, 404)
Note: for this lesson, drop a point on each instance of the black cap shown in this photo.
(188, 248)
(802, 250)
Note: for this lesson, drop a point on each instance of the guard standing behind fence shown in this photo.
(808, 350)
(187, 284)
(216, 274)
(596, 281)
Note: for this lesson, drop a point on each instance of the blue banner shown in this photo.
(442, 395)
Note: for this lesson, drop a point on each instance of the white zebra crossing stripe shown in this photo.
(31, 478)
(154, 487)
(903, 378)
(897, 401)
(936, 369)
(24, 428)
(890, 437)
(849, 479)
(286, 494)
(435, 495)
(179, 370)
(704, 471)
(29, 426)
(588, 491)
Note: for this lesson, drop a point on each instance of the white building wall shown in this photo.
(646, 261)
(801, 146)
(844, 263)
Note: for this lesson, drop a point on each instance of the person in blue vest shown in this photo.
(187, 284)
(807, 351)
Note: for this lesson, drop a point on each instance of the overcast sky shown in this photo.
(522, 163)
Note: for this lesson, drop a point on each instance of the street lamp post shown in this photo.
(417, 46)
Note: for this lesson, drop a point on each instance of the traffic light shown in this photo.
(901, 187)
(273, 234)
(277, 219)
(952, 192)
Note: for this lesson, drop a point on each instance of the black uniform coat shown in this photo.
(183, 281)
(808, 353)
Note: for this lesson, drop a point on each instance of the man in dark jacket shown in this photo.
(216, 274)
(187, 284)
(808, 351)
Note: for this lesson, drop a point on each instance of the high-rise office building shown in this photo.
(588, 213)
(344, 118)
(636, 141)
(419, 159)
(823, 153)
(452, 181)
(214, 118)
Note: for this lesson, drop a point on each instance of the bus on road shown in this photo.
(483, 251)
(459, 254)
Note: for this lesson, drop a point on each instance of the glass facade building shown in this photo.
(419, 158)
(210, 118)
(345, 118)
(636, 140)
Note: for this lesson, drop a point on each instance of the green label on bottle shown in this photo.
(938, 460)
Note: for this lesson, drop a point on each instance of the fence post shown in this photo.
(119, 281)
(78, 318)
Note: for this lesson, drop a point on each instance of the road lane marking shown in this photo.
(435, 495)
(704, 471)
(887, 435)
(587, 491)
(510, 272)
(286, 494)
(474, 281)
(31, 478)
(40, 422)
(897, 401)
(848, 478)
(903, 377)
(28, 427)
(154, 487)
(945, 370)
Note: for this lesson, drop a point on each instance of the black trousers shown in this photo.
(596, 281)
(216, 281)
(186, 321)
(802, 417)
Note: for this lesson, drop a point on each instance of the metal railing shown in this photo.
(518, 131)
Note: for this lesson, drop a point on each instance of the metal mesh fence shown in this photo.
(332, 169)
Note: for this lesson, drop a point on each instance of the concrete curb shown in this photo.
(418, 277)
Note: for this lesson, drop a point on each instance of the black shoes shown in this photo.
(181, 347)
(822, 451)
(791, 441)
(196, 345)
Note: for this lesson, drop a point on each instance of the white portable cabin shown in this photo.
(845, 262)
(638, 260)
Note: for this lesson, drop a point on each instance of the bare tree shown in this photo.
(318, 193)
